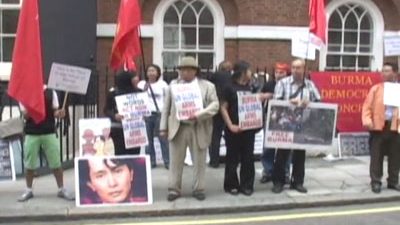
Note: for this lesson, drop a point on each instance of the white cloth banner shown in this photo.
(133, 106)
(135, 134)
(187, 98)
(250, 111)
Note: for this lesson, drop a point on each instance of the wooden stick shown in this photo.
(65, 100)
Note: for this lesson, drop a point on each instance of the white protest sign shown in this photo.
(133, 106)
(303, 48)
(187, 98)
(392, 45)
(391, 93)
(135, 133)
(250, 111)
(68, 78)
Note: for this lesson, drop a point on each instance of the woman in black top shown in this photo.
(239, 144)
(126, 83)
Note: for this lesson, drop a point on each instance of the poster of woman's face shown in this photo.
(111, 181)
(94, 137)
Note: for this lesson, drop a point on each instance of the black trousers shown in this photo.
(239, 149)
(298, 171)
(117, 135)
(381, 143)
(218, 127)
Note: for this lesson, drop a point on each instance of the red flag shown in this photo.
(126, 44)
(317, 16)
(26, 81)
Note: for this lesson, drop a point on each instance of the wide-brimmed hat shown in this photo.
(188, 62)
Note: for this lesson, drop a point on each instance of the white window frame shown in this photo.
(158, 24)
(378, 29)
(5, 67)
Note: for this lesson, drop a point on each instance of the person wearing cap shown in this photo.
(281, 70)
(194, 133)
(126, 83)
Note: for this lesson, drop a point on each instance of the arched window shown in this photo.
(188, 28)
(353, 40)
(9, 12)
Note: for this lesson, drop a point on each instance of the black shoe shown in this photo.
(394, 187)
(247, 192)
(287, 180)
(233, 191)
(376, 188)
(299, 187)
(213, 165)
(172, 196)
(199, 195)
(166, 166)
(153, 165)
(277, 188)
(265, 179)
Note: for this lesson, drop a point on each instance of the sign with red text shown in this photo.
(188, 100)
(135, 133)
(348, 90)
(310, 128)
(250, 111)
(133, 106)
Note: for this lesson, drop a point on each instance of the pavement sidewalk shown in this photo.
(329, 184)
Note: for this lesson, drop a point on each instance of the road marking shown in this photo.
(271, 218)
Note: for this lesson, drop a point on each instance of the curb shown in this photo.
(81, 216)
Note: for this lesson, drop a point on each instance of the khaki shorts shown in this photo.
(50, 147)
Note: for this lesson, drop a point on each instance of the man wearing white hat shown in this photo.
(194, 132)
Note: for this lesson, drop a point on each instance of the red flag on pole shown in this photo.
(317, 16)
(126, 44)
(26, 80)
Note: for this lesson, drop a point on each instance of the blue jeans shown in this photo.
(153, 130)
(267, 161)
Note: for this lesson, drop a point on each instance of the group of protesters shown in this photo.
(220, 117)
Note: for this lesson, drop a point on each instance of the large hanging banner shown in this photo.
(134, 107)
(348, 90)
(250, 111)
(94, 137)
(7, 169)
(187, 99)
(113, 181)
(290, 127)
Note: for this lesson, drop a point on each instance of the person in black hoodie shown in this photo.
(126, 83)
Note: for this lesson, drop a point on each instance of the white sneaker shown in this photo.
(63, 193)
(25, 196)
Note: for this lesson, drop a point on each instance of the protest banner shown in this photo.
(133, 106)
(391, 93)
(353, 144)
(135, 133)
(7, 169)
(69, 78)
(94, 137)
(392, 44)
(131, 175)
(250, 111)
(348, 90)
(290, 127)
(303, 47)
(187, 99)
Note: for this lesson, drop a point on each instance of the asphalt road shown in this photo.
(372, 214)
